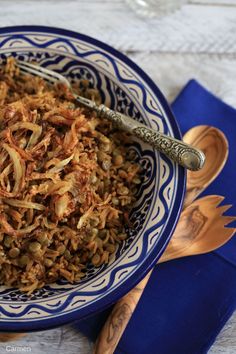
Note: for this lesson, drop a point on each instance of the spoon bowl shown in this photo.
(214, 144)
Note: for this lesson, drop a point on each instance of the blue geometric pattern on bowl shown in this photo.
(125, 88)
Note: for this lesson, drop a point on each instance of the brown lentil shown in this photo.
(110, 248)
(67, 255)
(14, 252)
(122, 236)
(48, 262)
(61, 249)
(24, 260)
(96, 259)
(43, 239)
(115, 201)
(34, 247)
(94, 221)
(136, 180)
(7, 241)
(106, 164)
(123, 190)
(93, 179)
(118, 160)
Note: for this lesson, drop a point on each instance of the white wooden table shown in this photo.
(198, 41)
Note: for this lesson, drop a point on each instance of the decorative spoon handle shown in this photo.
(178, 151)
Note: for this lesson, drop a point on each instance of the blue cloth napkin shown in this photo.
(187, 301)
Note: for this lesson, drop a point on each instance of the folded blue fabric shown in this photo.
(187, 301)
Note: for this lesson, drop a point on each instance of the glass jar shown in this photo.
(155, 8)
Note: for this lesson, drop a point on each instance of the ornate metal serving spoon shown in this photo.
(178, 151)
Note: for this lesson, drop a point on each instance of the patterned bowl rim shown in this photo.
(151, 259)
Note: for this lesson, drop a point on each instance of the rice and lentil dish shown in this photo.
(66, 183)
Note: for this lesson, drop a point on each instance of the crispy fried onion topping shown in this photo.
(66, 185)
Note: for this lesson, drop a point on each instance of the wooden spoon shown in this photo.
(203, 138)
(200, 230)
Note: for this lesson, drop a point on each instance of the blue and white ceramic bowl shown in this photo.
(126, 88)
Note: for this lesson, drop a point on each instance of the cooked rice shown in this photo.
(66, 183)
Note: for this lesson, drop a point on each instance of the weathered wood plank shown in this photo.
(57, 341)
(226, 341)
(194, 28)
(214, 2)
(172, 71)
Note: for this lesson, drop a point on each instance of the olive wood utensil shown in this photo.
(201, 229)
